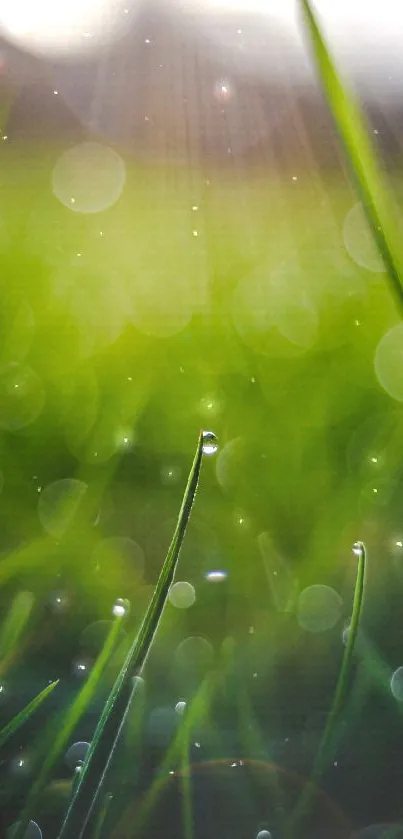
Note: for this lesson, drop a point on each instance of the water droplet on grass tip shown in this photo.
(358, 549)
(120, 608)
(263, 834)
(210, 442)
(76, 754)
(180, 707)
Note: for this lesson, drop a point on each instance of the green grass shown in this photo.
(124, 691)
(126, 383)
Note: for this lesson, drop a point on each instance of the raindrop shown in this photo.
(59, 503)
(180, 707)
(182, 595)
(120, 608)
(21, 396)
(319, 608)
(33, 831)
(396, 684)
(210, 442)
(89, 178)
(76, 754)
(263, 834)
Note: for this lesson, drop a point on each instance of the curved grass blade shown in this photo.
(327, 742)
(116, 709)
(71, 718)
(361, 156)
(100, 822)
(13, 628)
(25, 714)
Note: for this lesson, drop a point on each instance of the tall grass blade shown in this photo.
(24, 715)
(327, 742)
(71, 718)
(13, 627)
(361, 156)
(116, 709)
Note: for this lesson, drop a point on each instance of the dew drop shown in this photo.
(120, 608)
(180, 707)
(210, 442)
(182, 595)
(358, 549)
(263, 834)
(76, 754)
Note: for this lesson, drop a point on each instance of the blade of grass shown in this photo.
(361, 156)
(116, 709)
(327, 741)
(103, 812)
(71, 718)
(25, 714)
(14, 626)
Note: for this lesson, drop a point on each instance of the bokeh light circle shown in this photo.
(182, 595)
(59, 503)
(396, 684)
(359, 240)
(319, 608)
(388, 362)
(22, 396)
(89, 177)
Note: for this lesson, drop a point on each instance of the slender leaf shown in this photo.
(376, 200)
(24, 715)
(72, 717)
(13, 627)
(327, 742)
(113, 717)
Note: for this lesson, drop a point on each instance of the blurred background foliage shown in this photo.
(141, 299)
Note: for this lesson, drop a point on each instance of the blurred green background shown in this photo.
(142, 300)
